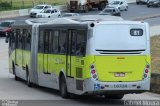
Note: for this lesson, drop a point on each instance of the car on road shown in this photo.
(141, 2)
(49, 13)
(70, 14)
(153, 3)
(110, 11)
(39, 8)
(5, 27)
(119, 4)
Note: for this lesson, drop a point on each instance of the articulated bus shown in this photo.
(83, 55)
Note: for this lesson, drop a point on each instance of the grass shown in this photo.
(21, 4)
(155, 54)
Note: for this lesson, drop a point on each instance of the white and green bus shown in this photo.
(84, 55)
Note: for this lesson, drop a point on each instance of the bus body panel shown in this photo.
(132, 67)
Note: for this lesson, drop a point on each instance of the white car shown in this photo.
(110, 11)
(38, 9)
(49, 13)
(119, 4)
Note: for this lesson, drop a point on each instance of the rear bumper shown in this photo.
(97, 87)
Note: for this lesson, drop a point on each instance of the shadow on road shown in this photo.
(74, 100)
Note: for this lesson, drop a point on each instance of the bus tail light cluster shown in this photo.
(93, 72)
(146, 71)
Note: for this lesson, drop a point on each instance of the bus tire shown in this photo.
(14, 72)
(28, 79)
(114, 96)
(63, 87)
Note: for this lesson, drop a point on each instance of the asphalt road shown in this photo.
(18, 90)
(135, 12)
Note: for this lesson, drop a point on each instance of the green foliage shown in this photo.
(23, 4)
(5, 5)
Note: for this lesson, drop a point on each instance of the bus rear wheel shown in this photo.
(114, 96)
(28, 79)
(63, 87)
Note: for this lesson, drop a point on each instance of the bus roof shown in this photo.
(40, 20)
(73, 20)
(83, 19)
(96, 18)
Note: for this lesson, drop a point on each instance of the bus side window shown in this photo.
(55, 41)
(46, 41)
(50, 42)
(12, 39)
(81, 43)
(40, 44)
(62, 42)
(18, 38)
(25, 32)
(73, 43)
(28, 41)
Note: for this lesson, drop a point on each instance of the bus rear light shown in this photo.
(92, 66)
(94, 76)
(146, 71)
(147, 66)
(145, 75)
(93, 72)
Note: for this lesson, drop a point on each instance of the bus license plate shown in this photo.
(119, 74)
(120, 85)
